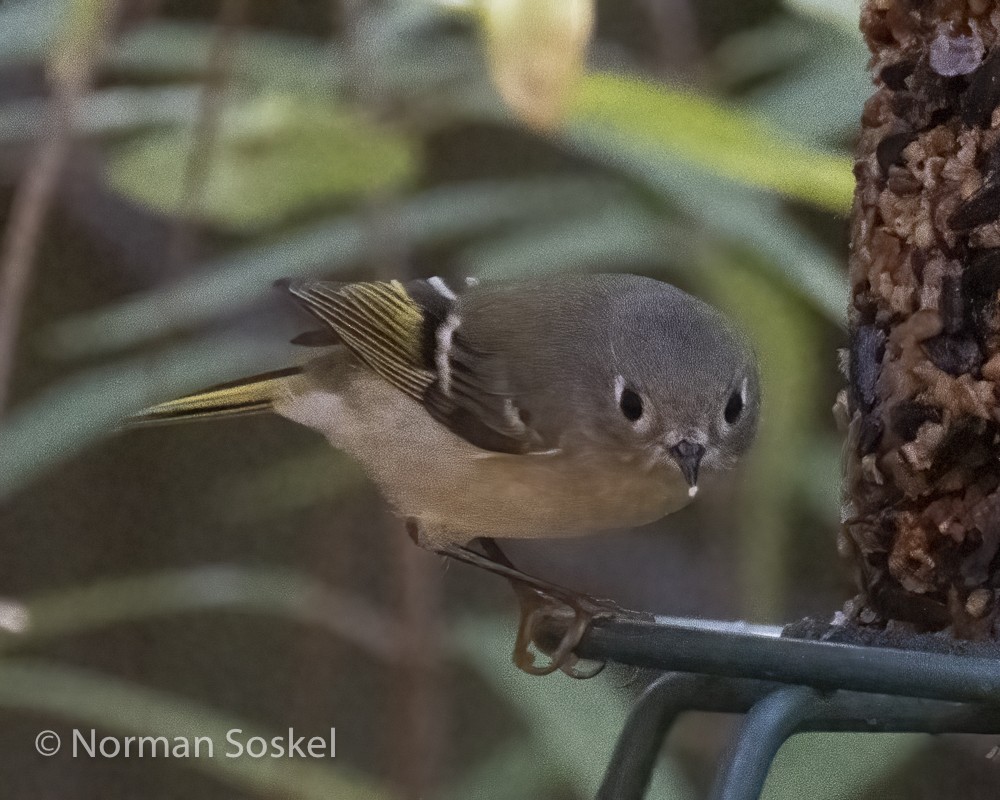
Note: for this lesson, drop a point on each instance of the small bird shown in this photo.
(555, 406)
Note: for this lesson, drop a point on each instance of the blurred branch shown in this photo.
(678, 49)
(71, 73)
(230, 15)
(424, 705)
(360, 50)
(27, 215)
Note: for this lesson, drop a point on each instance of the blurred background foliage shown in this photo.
(185, 580)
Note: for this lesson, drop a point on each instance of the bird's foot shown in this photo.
(543, 610)
(539, 612)
(544, 606)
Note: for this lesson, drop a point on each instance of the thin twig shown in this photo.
(421, 702)
(33, 198)
(422, 729)
(675, 26)
(420, 736)
(197, 168)
(29, 209)
(139, 12)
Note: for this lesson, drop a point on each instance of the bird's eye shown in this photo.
(631, 405)
(734, 407)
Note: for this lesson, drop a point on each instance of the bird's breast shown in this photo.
(458, 491)
(559, 495)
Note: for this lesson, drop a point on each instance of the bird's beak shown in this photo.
(688, 457)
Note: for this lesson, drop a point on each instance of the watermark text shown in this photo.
(235, 743)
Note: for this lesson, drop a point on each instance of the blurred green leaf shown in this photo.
(755, 53)
(105, 702)
(176, 50)
(104, 112)
(729, 212)
(819, 99)
(272, 157)
(837, 766)
(234, 281)
(569, 720)
(408, 54)
(272, 590)
(60, 422)
(731, 143)
(619, 236)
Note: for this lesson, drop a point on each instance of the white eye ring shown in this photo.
(619, 388)
(629, 402)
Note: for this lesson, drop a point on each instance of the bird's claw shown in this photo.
(541, 603)
(537, 609)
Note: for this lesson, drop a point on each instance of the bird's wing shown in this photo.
(378, 322)
(411, 336)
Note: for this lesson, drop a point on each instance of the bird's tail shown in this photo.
(247, 396)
